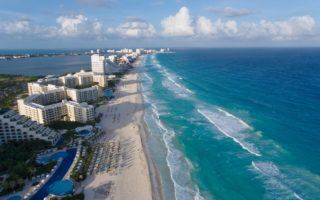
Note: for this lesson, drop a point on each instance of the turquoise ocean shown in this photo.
(224, 123)
(234, 123)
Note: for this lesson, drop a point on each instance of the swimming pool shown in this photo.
(61, 188)
(16, 197)
(108, 93)
(84, 133)
(58, 155)
(53, 157)
(57, 176)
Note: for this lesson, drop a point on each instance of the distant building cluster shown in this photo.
(66, 97)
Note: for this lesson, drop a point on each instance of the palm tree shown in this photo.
(20, 182)
(12, 184)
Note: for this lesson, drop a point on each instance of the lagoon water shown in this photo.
(235, 123)
(45, 65)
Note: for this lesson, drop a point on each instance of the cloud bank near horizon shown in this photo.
(181, 24)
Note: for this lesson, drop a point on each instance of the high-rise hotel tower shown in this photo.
(98, 63)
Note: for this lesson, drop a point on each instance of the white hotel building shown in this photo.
(85, 94)
(46, 107)
(98, 64)
(48, 96)
(15, 127)
(80, 112)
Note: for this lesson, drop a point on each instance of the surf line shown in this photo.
(274, 173)
(228, 135)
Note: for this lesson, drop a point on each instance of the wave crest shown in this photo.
(231, 127)
(275, 181)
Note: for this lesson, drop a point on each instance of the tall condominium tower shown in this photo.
(98, 64)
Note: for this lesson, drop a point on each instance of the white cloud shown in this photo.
(133, 28)
(291, 29)
(182, 24)
(68, 26)
(204, 26)
(78, 25)
(179, 24)
(228, 28)
(21, 26)
(230, 12)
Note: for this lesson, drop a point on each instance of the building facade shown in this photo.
(80, 112)
(69, 81)
(84, 95)
(15, 127)
(98, 64)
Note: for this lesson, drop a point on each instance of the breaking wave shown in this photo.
(275, 181)
(179, 169)
(231, 127)
(170, 80)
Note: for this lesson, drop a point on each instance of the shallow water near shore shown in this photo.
(234, 123)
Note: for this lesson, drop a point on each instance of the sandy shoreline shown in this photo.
(135, 176)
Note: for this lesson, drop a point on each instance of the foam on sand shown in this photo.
(231, 127)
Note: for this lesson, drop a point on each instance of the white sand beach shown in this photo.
(122, 121)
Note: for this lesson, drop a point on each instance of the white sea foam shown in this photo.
(275, 181)
(297, 196)
(234, 117)
(230, 126)
(171, 80)
(266, 168)
(178, 89)
(176, 161)
(178, 167)
(147, 76)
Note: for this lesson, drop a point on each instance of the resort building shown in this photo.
(36, 87)
(80, 112)
(43, 114)
(46, 107)
(53, 95)
(48, 100)
(101, 79)
(138, 51)
(84, 78)
(15, 127)
(64, 110)
(112, 58)
(98, 64)
(84, 95)
(50, 79)
(69, 80)
(46, 94)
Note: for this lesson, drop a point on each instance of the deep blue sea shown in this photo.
(235, 123)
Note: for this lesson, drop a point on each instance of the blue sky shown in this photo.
(173, 23)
